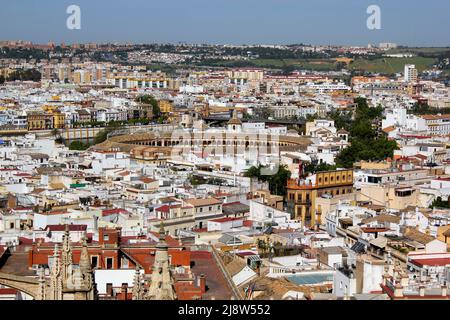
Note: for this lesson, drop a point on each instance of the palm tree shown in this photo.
(56, 133)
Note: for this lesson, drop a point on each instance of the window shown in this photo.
(94, 261)
(11, 225)
(106, 237)
(210, 208)
(109, 263)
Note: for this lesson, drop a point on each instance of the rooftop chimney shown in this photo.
(202, 283)
(422, 290)
(125, 290)
(398, 291)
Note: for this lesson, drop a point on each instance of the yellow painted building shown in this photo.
(58, 117)
(39, 121)
(165, 106)
(301, 195)
(58, 120)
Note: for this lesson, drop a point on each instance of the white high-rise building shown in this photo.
(387, 45)
(410, 74)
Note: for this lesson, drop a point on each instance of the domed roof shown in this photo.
(235, 120)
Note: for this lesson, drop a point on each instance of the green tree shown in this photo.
(312, 117)
(313, 168)
(362, 129)
(342, 120)
(277, 182)
(262, 113)
(101, 136)
(365, 145)
(439, 203)
(78, 145)
(55, 132)
(25, 75)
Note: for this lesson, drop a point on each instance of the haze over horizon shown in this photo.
(320, 22)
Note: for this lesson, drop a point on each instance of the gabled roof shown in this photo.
(418, 236)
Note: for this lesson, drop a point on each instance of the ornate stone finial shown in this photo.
(56, 277)
(138, 288)
(42, 285)
(85, 263)
(161, 284)
(66, 254)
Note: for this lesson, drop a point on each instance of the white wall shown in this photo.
(372, 277)
(342, 285)
(116, 277)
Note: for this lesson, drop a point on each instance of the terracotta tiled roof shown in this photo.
(62, 227)
(418, 236)
(203, 202)
(108, 212)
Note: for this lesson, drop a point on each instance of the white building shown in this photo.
(410, 73)
(111, 159)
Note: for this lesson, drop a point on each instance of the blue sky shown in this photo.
(408, 22)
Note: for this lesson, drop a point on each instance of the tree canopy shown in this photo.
(148, 99)
(277, 182)
(365, 144)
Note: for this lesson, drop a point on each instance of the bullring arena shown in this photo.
(164, 142)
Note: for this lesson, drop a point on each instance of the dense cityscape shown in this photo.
(224, 172)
